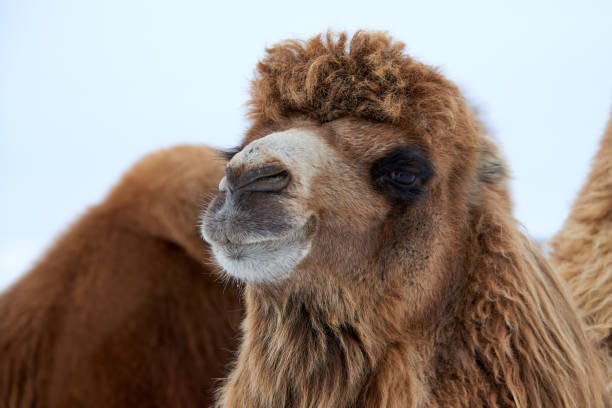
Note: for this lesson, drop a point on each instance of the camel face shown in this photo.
(314, 201)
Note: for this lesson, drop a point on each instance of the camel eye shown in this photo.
(402, 177)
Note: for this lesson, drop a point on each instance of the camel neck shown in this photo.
(299, 355)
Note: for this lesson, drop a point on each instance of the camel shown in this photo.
(582, 250)
(380, 261)
(368, 217)
(125, 309)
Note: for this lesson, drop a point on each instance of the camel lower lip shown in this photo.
(234, 250)
(294, 235)
(237, 251)
(252, 243)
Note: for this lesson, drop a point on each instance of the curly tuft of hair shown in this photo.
(369, 77)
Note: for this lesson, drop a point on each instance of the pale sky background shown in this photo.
(88, 87)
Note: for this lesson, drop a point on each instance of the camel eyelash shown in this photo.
(401, 174)
(230, 153)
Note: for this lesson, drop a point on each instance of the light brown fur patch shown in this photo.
(582, 250)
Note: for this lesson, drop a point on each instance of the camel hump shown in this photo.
(164, 193)
(169, 172)
(582, 249)
(124, 306)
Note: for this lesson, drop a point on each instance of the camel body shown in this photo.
(582, 250)
(123, 310)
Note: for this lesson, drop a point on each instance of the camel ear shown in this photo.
(491, 174)
(492, 167)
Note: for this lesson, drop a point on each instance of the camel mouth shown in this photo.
(304, 232)
(237, 250)
(293, 235)
(265, 259)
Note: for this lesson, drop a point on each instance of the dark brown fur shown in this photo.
(121, 311)
(443, 303)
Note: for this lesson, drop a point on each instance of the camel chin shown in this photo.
(269, 260)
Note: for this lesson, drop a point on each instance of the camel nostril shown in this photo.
(267, 178)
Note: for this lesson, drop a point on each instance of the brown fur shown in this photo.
(582, 250)
(121, 312)
(440, 303)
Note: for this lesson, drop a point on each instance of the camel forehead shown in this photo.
(369, 141)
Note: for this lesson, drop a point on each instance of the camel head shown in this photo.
(359, 171)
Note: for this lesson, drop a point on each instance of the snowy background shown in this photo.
(88, 87)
